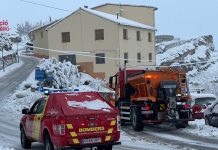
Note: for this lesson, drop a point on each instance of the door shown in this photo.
(37, 119)
(214, 116)
(30, 119)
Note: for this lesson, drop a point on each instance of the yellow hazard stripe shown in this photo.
(113, 122)
(73, 134)
(110, 131)
(108, 138)
(69, 126)
(75, 141)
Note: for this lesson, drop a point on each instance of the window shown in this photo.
(150, 57)
(70, 58)
(34, 36)
(125, 34)
(38, 107)
(65, 37)
(126, 57)
(138, 57)
(41, 34)
(99, 34)
(149, 37)
(98, 58)
(138, 35)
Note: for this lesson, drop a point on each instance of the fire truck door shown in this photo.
(37, 119)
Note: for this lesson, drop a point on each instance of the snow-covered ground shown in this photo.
(198, 127)
(10, 68)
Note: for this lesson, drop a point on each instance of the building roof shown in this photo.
(45, 25)
(155, 8)
(110, 17)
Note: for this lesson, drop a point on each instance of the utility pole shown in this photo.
(3, 61)
(17, 54)
(125, 61)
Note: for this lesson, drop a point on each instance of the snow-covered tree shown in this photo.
(5, 42)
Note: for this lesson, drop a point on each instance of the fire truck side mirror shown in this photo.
(25, 111)
(111, 82)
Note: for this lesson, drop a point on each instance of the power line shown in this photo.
(45, 5)
(85, 54)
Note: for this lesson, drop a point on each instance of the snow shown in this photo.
(10, 68)
(5, 148)
(198, 127)
(92, 105)
(113, 18)
(67, 76)
(142, 143)
(120, 20)
(5, 53)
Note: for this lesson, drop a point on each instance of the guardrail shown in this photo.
(8, 60)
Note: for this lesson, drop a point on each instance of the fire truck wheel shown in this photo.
(48, 145)
(207, 121)
(25, 142)
(137, 121)
(105, 147)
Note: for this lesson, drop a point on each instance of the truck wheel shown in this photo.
(48, 145)
(137, 121)
(105, 147)
(25, 142)
(180, 125)
(207, 121)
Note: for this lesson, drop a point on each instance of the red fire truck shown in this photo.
(71, 120)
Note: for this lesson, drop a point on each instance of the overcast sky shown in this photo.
(182, 18)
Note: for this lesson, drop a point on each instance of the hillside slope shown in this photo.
(197, 54)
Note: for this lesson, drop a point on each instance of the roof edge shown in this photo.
(155, 8)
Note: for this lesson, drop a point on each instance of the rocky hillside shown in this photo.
(198, 55)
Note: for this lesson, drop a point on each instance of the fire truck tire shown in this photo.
(48, 145)
(207, 121)
(137, 121)
(25, 142)
(180, 125)
(105, 147)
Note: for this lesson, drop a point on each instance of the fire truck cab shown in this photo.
(152, 96)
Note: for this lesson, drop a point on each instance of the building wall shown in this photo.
(81, 26)
(143, 15)
(132, 46)
(40, 41)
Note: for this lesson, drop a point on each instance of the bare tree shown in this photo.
(24, 29)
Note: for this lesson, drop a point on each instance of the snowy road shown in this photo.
(170, 135)
(9, 82)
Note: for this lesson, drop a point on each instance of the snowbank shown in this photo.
(67, 76)
(198, 127)
(6, 148)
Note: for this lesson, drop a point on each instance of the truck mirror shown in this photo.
(111, 82)
(25, 111)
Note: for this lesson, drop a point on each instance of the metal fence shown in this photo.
(8, 60)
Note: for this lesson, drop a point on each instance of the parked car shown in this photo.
(211, 114)
(199, 103)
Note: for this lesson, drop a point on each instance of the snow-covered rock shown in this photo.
(198, 55)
